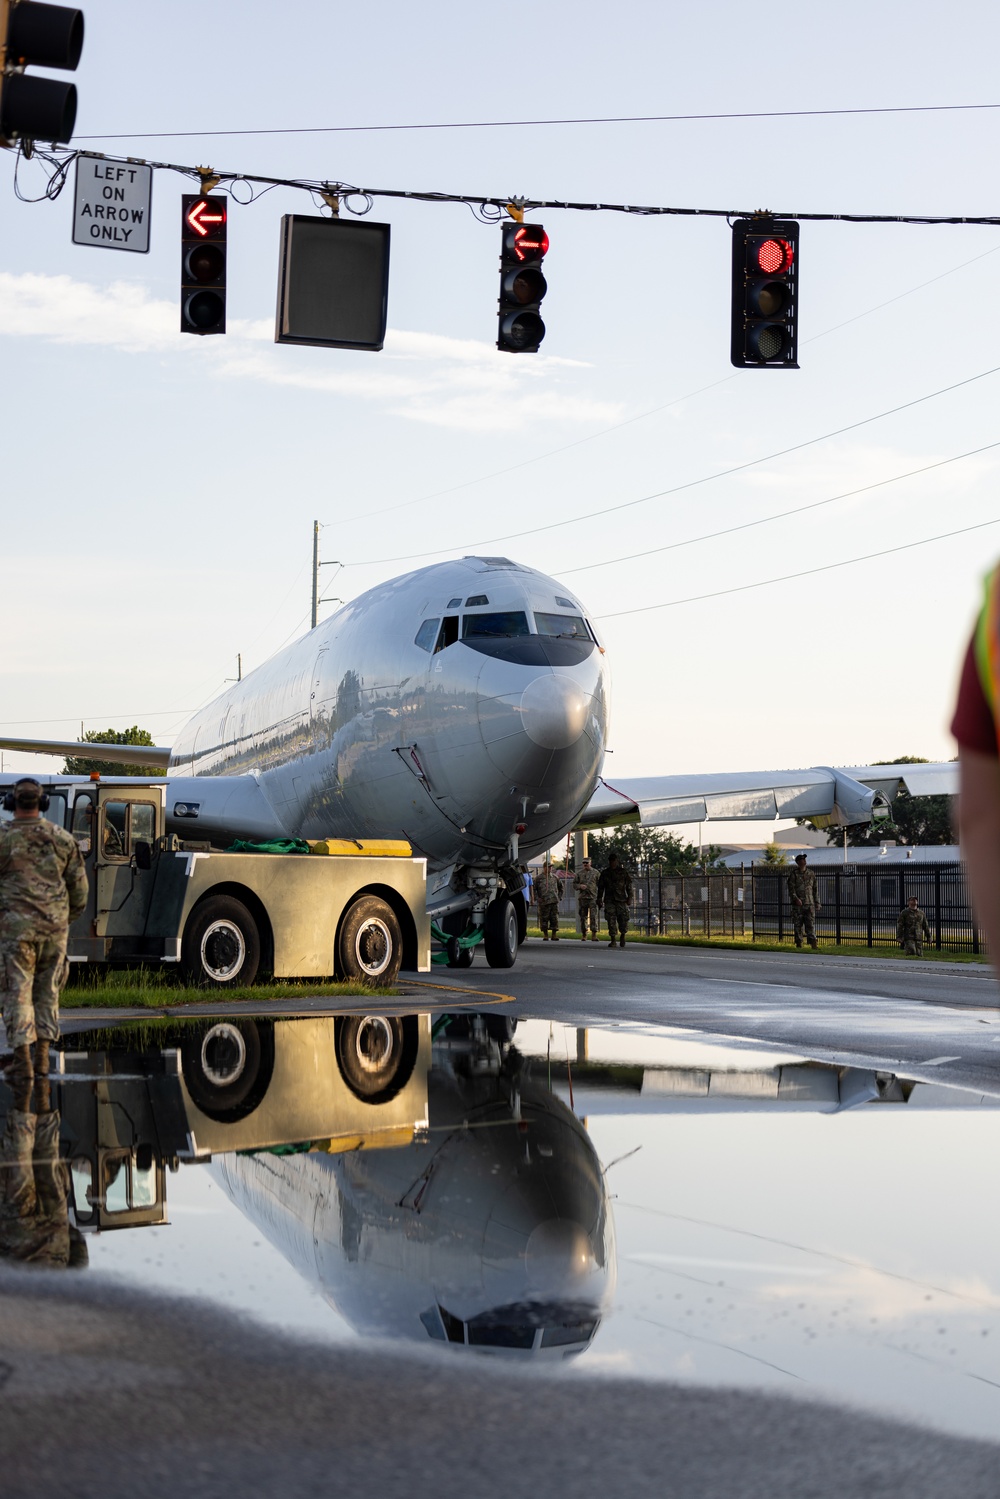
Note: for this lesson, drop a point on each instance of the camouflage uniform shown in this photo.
(43, 887)
(548, 893)
(614, 893)
(34, 1191)
(585, 884)
(805, 904)
(911, 929)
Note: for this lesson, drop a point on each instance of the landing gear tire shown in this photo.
(500, 941)
(521, 909)
(370, 944)
(376, 1054)
(227, 1068)
(221, 946)
(459, 957)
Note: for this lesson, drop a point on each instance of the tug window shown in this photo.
(427, 634)
(513, 622)
(449, 632)
(566, 626)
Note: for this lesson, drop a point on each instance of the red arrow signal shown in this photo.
(199, 217)
(523, 245)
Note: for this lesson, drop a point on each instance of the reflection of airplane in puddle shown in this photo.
(441, 1194)
(494, 1232)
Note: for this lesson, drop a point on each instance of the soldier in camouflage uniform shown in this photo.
(548, 893)
(614, 892)
(912, 928)
(43, 888)
(586, 883)
(805, 901)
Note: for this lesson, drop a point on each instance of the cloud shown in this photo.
(424, 377)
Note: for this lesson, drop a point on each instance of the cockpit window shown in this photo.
(455, 603)
(566, 603)
(449, 632)
(565, 626)
(512, 622)
(427, 634)
(476, 600)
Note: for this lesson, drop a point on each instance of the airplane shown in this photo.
(464, 707)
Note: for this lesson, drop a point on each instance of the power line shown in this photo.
(577, 442)
(690, 483)
(767, 114)
(764, 520)
(806, 573)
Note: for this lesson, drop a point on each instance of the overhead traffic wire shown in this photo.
(807, 572)
(493, 208)
(757, 114)
(660, 494)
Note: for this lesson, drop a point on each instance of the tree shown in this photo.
(636, 845)
(77, 766)
(913, 819)
(774, 854)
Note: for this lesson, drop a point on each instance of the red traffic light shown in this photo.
(528, 240)
(774, 256)
(206, 217)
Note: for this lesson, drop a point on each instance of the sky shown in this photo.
(161, 489)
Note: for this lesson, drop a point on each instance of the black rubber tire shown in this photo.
(521, 909)
(501, 1028)
(227, 1067)
(370, 943)
(376, 1054)
(459, 957)
(500, 942)
(221, 944)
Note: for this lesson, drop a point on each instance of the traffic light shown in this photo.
(522, 287)
(47, 36)
(765, 294)
(203, 263)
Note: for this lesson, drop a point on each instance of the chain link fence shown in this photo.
(860, 904)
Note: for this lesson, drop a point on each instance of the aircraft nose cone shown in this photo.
(554, 711)
(559, 1257)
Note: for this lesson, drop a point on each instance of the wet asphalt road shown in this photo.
(932, 1021)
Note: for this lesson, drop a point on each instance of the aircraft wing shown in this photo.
(153, 756)
(835, 796)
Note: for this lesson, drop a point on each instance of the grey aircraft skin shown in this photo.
(451, 746)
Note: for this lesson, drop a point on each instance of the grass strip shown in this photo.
(157, 989)
(747, 944)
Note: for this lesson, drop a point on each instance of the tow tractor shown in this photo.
(340, 908)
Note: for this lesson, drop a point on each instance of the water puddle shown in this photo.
(629, 1199)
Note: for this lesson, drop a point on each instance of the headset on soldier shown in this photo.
(12, 800)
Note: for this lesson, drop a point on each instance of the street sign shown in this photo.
(112, 204)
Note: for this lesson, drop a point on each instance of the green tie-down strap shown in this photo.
(270, 846)
(469, 938)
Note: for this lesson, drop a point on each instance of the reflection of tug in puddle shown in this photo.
(437, 1192)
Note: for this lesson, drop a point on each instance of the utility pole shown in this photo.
(315, 602)
(317, 564)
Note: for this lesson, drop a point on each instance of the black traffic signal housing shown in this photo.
(522, 287)
(34, 35)
(765, 294)
(203, 263)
